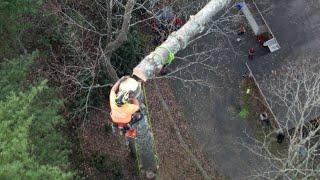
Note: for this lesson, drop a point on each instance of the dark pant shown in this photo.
(136, 117)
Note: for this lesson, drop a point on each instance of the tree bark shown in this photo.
(119, 40)
(112, 73)
(178, 40)
(123, 34)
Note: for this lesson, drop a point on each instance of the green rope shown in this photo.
(170, 55)
(146, 101)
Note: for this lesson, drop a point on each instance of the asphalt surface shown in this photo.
(296, 25)
(207, 84)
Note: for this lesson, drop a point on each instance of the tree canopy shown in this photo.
(30, 146)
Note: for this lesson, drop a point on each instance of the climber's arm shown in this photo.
(135, 101)
(115, 87)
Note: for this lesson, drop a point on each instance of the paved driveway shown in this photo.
(207, 84)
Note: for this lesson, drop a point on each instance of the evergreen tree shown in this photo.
(30, 146)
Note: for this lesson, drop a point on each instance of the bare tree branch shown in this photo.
(122, 36)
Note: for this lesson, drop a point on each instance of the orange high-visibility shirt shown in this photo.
(121, 114)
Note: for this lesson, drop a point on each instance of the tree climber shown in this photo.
(124, 110)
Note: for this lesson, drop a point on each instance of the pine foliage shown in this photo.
(30, 145)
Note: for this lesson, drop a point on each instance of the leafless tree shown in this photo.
(93, 30)
(178, 40)
(208, 50)
(98, 28)
(202, 54)
(294, 92)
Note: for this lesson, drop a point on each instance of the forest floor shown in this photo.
(255, 103)
(212, 131)
(107, 153)
(97, 153)
(174, 159)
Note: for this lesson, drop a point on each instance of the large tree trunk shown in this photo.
(123, 34)
(119, 40)
(178, 40)
(112, 73)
